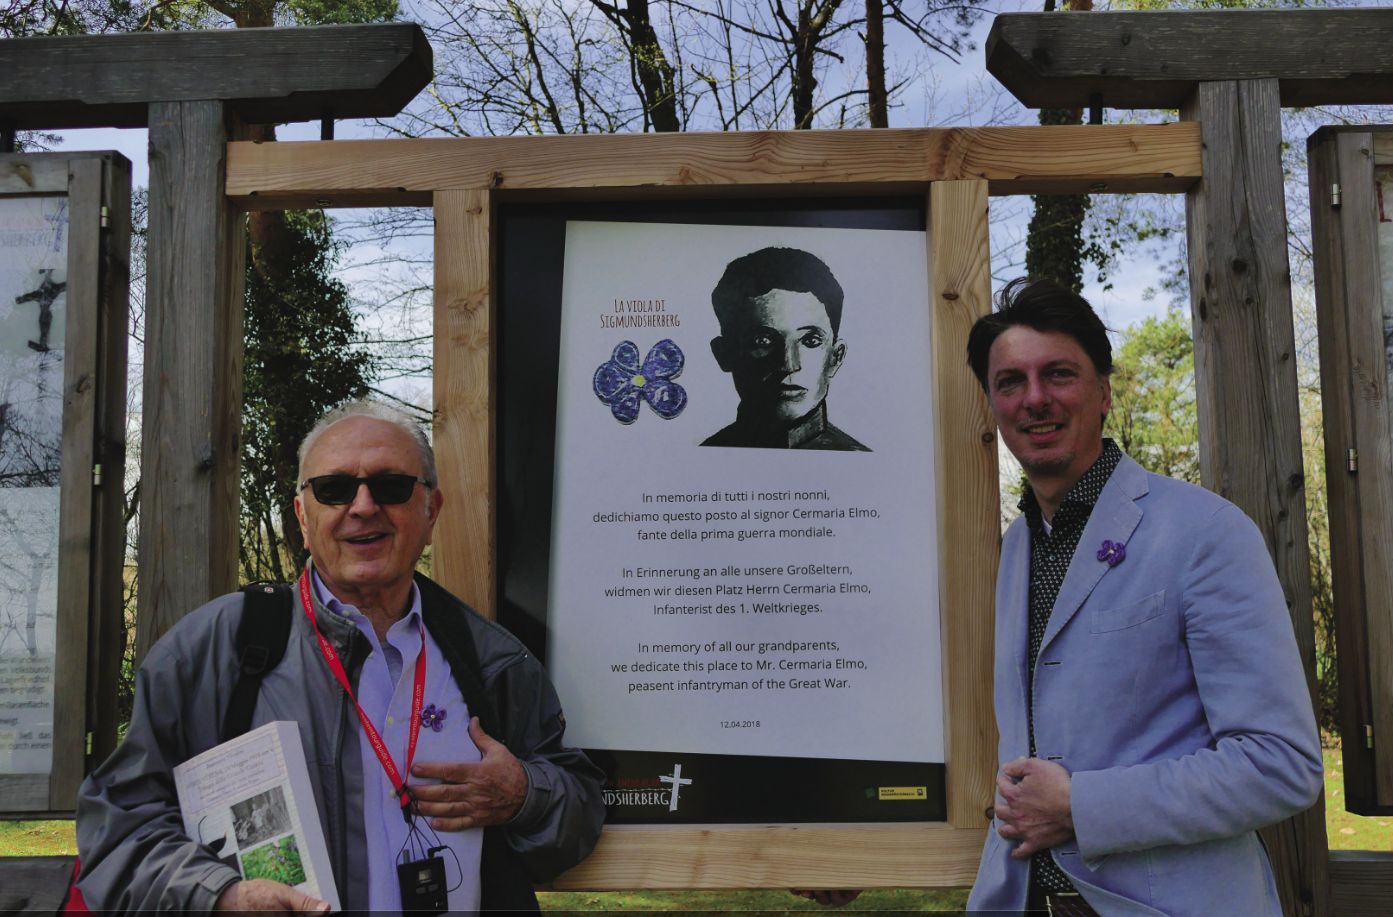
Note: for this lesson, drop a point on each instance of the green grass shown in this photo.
(1346, 832)
(37, 838)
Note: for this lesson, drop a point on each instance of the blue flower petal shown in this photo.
(625, 407)
(611, 380)
(665, 361)
(626, 356)
(667, 399)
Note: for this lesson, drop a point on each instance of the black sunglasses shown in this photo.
(386, 489)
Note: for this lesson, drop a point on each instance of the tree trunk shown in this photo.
(1054, 242)
(655, 74)
(876, 99)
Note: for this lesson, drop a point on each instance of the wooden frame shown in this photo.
(91, 537)
(1358, 449)
(465, 180)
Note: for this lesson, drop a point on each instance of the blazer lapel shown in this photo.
(1115, 517)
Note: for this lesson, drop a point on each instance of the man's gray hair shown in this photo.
(378, 411)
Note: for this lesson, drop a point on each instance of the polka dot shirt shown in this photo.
(1050, 555)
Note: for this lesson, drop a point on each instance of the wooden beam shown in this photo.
(81, 403)
(1245, 386)
(34, 884)
(1156, 59)
(267, 75)
(1361, 883)
(969, 522)
(791, 856)
(192, 405)
(106, 608)
(1015, 160)
(463, 558)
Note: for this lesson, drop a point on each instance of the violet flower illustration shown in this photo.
(433, 718)
(622, 382)
(1114, 554)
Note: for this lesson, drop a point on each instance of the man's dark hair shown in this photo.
(1045, 306)
(751, 276)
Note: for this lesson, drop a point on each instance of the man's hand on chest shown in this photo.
(476, 795)
(1036, 809)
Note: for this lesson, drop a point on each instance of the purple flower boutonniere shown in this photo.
(1114, 554)
(432, 718)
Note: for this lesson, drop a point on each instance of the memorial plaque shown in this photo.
(742, 600)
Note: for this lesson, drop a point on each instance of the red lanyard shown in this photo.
(417, 696)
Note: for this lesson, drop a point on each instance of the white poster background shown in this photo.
(33, 276)
(882, 697)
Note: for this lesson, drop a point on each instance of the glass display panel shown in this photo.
(33, 281)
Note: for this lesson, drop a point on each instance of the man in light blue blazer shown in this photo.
(1152, 705)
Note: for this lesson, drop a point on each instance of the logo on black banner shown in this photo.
(664, 790)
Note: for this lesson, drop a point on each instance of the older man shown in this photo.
(1152, 706)
(512, 808)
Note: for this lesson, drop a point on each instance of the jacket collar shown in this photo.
(1115, 517)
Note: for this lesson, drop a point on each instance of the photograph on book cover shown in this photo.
(33, 304)
(743, 583)
(250, 802)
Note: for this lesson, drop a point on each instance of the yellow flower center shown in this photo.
(639, 381)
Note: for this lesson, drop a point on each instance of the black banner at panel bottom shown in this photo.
(650, 787)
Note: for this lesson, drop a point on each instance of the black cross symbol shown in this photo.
(46, 294)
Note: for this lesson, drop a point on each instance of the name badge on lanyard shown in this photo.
(424, 889)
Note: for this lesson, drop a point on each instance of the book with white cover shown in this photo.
(251, 801)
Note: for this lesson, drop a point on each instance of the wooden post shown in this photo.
(107, 626)
(192, 411)
(961, 290)
(463, 556)
(1245, 385)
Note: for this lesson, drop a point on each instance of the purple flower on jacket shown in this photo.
(433, 718)
(1114, 554)
(622, 382)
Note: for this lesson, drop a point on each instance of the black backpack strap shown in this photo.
(262, 635)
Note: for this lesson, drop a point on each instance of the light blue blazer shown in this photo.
(1171, 688)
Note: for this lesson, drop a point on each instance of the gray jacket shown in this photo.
(135, 853)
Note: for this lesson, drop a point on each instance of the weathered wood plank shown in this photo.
(463, 557)
(1361, 883)
(1383, 147)
(24, 792)
(34, 885)
(190, 432)
(969, 527)
(1337, 292)
(280, 74)
(80, 405)
(803, 856)
(1018, 159)
(1245, 383)
(107, 630)
(29, 174)
(1155, 59)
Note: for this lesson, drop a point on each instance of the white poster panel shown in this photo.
(743, 546)
(33, 280)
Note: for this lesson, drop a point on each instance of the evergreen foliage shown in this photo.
(1153, 414)
(301, 358)
(1054, 245)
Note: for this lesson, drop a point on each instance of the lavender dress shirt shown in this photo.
(384, 693)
